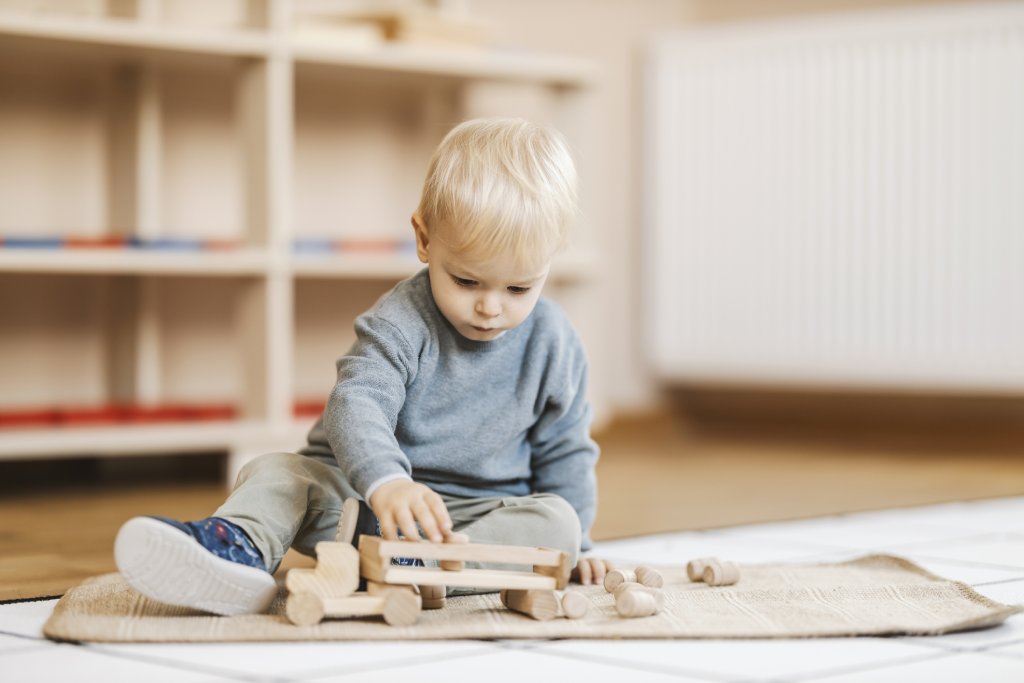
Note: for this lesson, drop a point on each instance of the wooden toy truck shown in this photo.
(393, 591)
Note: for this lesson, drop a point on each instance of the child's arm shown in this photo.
(563, 454)
(359, 423)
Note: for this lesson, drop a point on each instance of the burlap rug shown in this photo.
(873, 595)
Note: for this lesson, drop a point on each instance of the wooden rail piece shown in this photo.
(468, 578)
(542, 605)
(374, 546)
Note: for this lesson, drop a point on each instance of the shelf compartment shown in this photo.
(324, 312)
(451, 64)
(367, 266)
(131, 341)
(127, 440)
(123, 261)
(119, 37)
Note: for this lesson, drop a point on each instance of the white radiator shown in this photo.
(839, 202)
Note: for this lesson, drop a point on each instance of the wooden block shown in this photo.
(695, 568)
(575, 605)
(335, 576)
(433, 597)
(559, 571)
(659, 595)
(542, 605)
(455, 565)
(649, 576)
(721, 574)
(372, 564)
(304, 609)
(469, 578)
(636, 603)
(617, 576)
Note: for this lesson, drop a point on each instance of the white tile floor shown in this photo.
(981, 543)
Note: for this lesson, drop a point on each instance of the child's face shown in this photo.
(481, 298)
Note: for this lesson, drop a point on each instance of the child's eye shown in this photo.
(518, 290)
(463, 282)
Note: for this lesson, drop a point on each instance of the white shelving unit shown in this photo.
(168, 120)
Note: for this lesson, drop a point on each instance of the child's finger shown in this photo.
(440, 511)
(387, 527)
(600, 571)
(425, 516)
(584, 569)
(407, 524)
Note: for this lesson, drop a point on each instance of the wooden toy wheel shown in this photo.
(304, 609)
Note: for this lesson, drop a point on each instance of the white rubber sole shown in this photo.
(167, 565)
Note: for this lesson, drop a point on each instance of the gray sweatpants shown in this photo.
(287, 500)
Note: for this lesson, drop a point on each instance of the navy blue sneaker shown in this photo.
(357, 519)
(209, 564)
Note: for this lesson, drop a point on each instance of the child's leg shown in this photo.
(223, 564)
(541, 520)
(284, 500)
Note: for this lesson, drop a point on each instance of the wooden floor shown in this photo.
(707, 462)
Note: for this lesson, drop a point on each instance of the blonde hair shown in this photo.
(500, 186)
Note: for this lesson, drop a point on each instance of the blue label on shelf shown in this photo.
(33, 242)
(312, 246)
(168, 244)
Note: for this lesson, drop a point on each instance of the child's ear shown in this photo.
(422, 238)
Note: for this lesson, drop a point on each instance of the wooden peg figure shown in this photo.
(721, 574)
(649, 576)
(659, 595)
(695, 568)
(454, 565)
(575, 605)
(636, 603)
(618, 576)
(542, 605)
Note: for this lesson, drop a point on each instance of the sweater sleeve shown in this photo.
(563, 455)
(362, 411)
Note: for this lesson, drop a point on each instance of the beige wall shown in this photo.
(612, 33)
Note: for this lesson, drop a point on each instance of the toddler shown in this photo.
(461, 407)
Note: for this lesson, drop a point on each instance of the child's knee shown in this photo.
(268, 463)
(559, 526)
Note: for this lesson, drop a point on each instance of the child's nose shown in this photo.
(488, 305)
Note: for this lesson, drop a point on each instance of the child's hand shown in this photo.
(401, 503)
(591, 570)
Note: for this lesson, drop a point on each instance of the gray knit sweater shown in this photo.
(506, 417)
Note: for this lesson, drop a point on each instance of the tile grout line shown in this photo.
(854, 669)
(634, 665)
(179, 665)
(367, 667)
